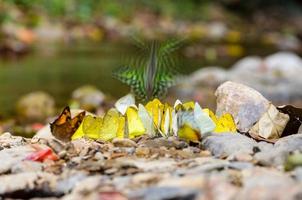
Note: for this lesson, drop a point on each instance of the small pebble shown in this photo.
(5, 145)
(117, 142)
(243, 157)
(62, 154)
(99, 156)
(142, 151)
(205, 153)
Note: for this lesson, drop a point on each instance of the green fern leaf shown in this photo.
(152, 71)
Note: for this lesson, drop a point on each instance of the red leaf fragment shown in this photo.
(42, 155)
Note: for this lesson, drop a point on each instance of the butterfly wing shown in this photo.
(64, 127)
(92, 126)
(63, 118)
(226, 124)
(110, 125)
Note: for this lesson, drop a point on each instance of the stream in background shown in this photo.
(60, 68)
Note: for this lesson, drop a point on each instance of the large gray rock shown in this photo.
(209, 76)
(276, 76)
(250, 63)
(35, 106)
(227, 144)
(244, 103)
(286, 63)
(281, 149)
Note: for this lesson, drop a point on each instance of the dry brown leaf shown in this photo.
(270, 125)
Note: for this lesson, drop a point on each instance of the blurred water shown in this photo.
(60, 68)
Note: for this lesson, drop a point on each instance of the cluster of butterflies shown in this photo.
(187, 121)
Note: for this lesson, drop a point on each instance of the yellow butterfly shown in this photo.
(135, 126)
(147, 120)
(90, 128)
(193, 121)
(110, 125)
(155, 109)
(225, 123)
(166, 121)
(187, 133)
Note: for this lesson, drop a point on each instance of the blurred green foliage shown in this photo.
(83, 11)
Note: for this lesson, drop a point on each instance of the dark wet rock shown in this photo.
(244, 103)
(88, 97)
(227, 144)
(280, 150)
(35, 106)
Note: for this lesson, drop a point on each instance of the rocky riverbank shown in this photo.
(220, 166)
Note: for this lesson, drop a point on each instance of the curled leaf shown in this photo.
(271, 124)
